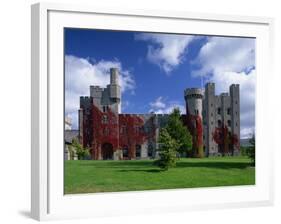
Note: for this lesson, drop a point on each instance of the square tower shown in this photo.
(235, 116)
(209, 110)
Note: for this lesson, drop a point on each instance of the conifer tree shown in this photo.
(179, 132)
(167, 152)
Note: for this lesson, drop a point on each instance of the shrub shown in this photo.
(167, 152)
(80, 151)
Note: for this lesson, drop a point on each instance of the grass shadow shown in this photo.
(217, 165)
(138, 165)
(119, 164)
(142, 170)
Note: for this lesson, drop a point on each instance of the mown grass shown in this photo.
(91, 176)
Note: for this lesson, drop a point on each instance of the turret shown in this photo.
(114, 76)
(115, 90)
(193, 98)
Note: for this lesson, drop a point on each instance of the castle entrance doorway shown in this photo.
(107, 151)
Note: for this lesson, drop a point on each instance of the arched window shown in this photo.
(228, 111)
(229, 123)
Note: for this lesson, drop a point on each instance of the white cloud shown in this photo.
(226, 54)
(80, 73)
(225, 61)
(158, 103)
(162, 106)
(166, 50)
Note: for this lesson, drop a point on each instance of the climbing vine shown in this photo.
(225, 139)
(195, 126)
(124, 130)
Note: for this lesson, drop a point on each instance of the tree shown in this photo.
(252, 150)
(167, 152)
(80, 151)
(179, 132)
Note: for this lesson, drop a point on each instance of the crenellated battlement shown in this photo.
(193, 93)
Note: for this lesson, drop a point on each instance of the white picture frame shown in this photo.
(48, 201)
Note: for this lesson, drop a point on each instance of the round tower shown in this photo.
(194, 101)
(114, 76)
(194, 104)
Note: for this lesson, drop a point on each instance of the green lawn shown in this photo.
(90, 176)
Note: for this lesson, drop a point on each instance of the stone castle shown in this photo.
(213, 121)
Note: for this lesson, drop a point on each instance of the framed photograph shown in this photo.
(138, 111)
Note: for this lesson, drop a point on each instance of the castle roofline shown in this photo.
(141, 114)
(193, 91)
(224, 94)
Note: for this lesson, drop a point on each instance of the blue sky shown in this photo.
(156, 68)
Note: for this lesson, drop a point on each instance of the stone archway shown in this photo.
(107, 151)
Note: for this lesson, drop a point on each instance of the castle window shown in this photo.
(211, 105)
(219, 110)
(211, 114)
(138, 151)
(125, 151)
(236, 124)
(236, 112)
(150, 150)
(229, 123)
(219, 123)
(123, 129)
(228, 111)
(196, 112)
(105, 109)
(104, 119)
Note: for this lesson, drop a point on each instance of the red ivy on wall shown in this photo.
(118, 130)
(225, 139)
(195, 126)
(105, 130)
(133, 132)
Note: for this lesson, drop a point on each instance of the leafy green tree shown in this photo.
(80, 151)
(167, 152)
(179, 132)
(251, 152)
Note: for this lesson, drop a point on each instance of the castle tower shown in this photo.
(209, 110)
(84, 118)
(235, 116)
(221, 121)
(193, 99)
(109, 97)
(115, 90)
